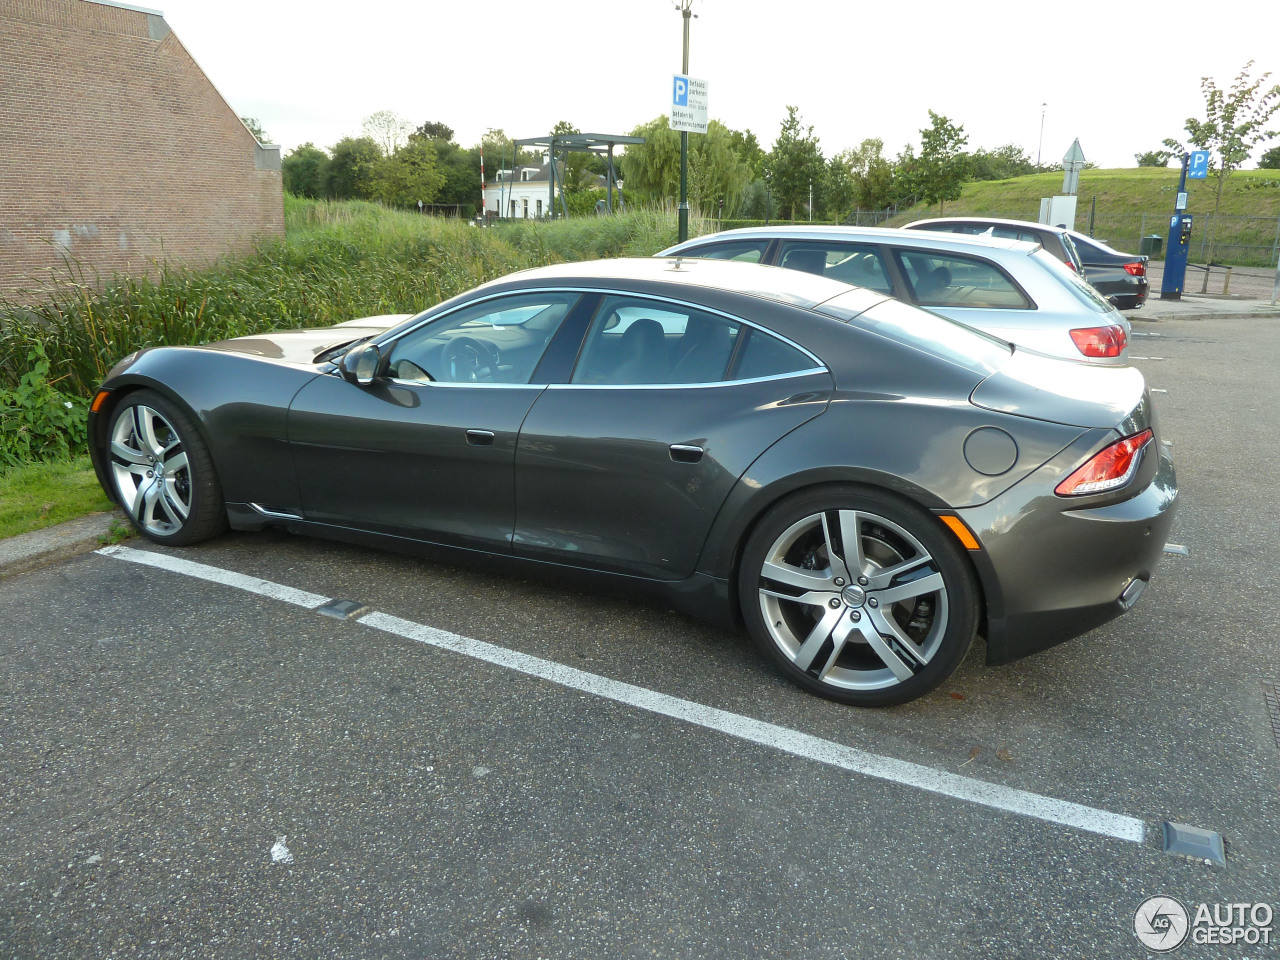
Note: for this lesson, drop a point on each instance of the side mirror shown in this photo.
(362, 365)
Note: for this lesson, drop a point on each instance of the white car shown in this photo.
(1011, 289)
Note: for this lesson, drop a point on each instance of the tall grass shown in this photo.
(339, 260)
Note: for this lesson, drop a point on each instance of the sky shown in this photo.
(1120, 77)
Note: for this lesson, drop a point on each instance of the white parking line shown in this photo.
(968, 789)
(228, 578)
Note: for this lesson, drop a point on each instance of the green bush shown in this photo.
(339, 261)
(38, 421)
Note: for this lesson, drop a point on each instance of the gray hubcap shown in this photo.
(853, 599)
(150, 470)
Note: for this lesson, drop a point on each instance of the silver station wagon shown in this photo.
(1011, 289)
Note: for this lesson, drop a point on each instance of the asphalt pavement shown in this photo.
(197, 761)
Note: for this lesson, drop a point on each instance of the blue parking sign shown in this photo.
(1198, 168)
(680, 95)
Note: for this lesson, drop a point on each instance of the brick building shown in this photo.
(116, 150)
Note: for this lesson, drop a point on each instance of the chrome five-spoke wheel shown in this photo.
(859, 597)
(161, 470)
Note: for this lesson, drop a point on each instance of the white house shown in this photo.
(523, 192)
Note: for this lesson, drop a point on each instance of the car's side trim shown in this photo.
(274, 513)
(686, 386)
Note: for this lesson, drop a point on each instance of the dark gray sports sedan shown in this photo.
(864, 485)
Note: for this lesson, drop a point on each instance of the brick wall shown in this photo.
(116, 150)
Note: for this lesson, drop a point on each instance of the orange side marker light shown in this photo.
(962, 532)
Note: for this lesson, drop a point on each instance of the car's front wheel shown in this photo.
(162, 471)
(858, 596)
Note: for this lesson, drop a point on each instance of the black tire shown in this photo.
(887, 631)
(162, 472)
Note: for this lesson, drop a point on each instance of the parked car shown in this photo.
(861, 483)
(1120, 277)
(1010, 288)
(1057, 240)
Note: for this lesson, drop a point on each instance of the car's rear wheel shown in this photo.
(858, 596)
(162, 471)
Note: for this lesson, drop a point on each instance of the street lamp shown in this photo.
(686, 11)
(1040, 145)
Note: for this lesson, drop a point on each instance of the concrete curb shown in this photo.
(40, 548)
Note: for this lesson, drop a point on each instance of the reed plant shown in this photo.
(338, 261)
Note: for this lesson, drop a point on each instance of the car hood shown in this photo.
(303, 346)
(1062, 391)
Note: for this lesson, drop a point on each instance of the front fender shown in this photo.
(240, 403)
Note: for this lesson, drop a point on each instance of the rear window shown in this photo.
(948, 280)
(1079, 288)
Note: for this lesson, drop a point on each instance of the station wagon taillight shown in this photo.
(1136, 269)
(1108, 341)
(1110, 469)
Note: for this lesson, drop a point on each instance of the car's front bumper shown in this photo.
(1051, 573)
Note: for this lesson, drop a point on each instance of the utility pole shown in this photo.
(686, 11)
(1040, 145)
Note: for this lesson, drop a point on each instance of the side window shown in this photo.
(946, 280)
(748, 251)
(764, 356)
(634, 340)
(857, 263)
(497, 341)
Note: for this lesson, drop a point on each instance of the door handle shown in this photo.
(480, 438)
(686, 453)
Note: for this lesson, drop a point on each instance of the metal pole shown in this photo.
(1041, 144)
(1093, 206)
(811, 201)
(682, 233)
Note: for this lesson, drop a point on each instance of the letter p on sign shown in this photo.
(680, 96)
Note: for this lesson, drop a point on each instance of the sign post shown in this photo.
(688, 115)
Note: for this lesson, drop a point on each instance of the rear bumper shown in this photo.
(1051, 573)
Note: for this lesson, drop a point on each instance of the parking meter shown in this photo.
(1175, 257)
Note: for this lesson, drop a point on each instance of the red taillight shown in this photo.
(1136, 269)
(1073, 267)
(1108, 341)
(1108, 470)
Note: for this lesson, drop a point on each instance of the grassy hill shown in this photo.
(1131, 203)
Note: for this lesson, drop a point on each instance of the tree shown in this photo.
(351, 162)
(407, 176)
(256, 129)
(794, 166)
(873, 175)
(303, 171)
(387, 129)
(1154, 158)
(651, 170)
(1232, 126)
(942, 167)
(716, 170)
(1270, 160)
(749, 151)
(433, 130)
(1002, 163)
